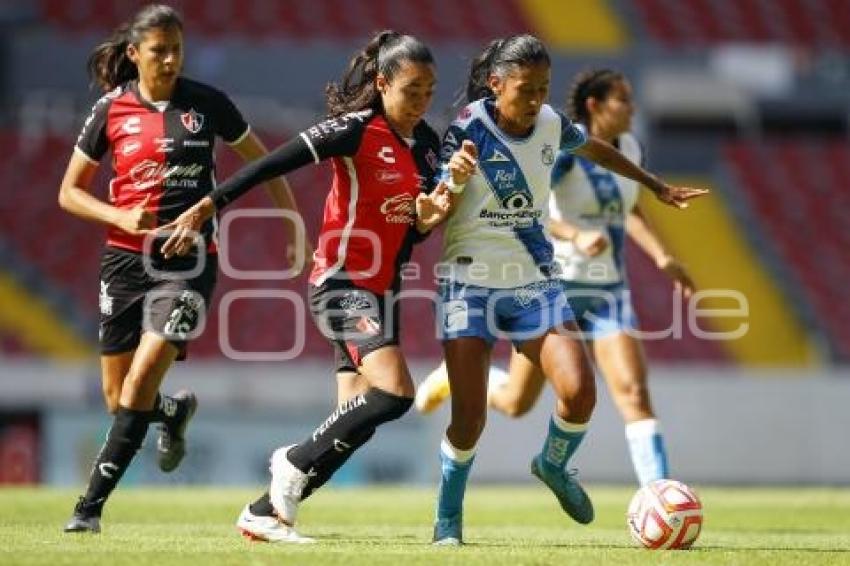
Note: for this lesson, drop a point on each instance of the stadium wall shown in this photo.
(723, 426)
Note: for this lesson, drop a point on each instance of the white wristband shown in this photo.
(454, 187)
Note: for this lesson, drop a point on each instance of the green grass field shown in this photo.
(504, 525)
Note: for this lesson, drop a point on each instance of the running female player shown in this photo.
(383, 199)
(161, 129)
(500, 274)
(591, 211)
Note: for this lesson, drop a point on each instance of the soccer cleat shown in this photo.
(572, 497)
(268, 529)
(287, 485)
(81, 521)
(448, 532)
(171, 444)
(433, 390)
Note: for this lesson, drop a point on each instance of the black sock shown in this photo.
(345, 430)
(167, 409)
(262, 506)
(124, 439)
(324, 473)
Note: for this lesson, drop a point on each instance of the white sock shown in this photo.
(646, 447)
(456, 454)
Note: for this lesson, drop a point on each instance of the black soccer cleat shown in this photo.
(171, 444)
(83, 521)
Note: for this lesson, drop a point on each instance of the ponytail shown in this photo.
(108, 64)
(479, 73)
(499, 57)
(385, 53)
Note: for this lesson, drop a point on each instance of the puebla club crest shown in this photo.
(547, 154)
(192, 121)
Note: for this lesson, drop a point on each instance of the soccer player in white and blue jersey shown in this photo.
(499, 277)
(592, 211)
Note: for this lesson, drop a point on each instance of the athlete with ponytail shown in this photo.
(591, 211)
(500, 274)
(161, 129)
(384, 197)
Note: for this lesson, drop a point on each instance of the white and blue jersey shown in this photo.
(495, 247)
(591, 197)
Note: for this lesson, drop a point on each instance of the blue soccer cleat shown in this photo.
(449, 532)
(572, 497)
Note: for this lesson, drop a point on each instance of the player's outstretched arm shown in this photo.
(252, 148)
(607, 156)
(640, 230)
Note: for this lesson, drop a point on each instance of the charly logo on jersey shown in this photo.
(398, 209)
(192, 121)
(148, 173)
(386, 155)
(132, 125)
(547, 154)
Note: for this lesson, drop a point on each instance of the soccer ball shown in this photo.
(665, 514)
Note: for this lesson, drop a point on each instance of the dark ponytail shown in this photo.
(499, 57)
(596, 83)
(385, 53)
(108, 64)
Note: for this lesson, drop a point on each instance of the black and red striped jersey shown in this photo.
(164, 151)
(368, 229)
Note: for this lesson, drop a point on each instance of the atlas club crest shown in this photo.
(192, 121)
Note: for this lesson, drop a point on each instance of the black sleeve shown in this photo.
(92, 140)
(426, 154)
(332, 138)
(229, 123)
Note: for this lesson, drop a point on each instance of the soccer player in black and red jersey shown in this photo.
(161, 130)
(384, 197)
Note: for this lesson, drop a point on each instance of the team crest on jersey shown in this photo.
(547, 154)
(192, 121)
(464, 114)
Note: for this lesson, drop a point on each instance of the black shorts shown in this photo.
(158, 297)
(355, 320)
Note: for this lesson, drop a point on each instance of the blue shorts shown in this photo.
(519, 314)
(601, 311)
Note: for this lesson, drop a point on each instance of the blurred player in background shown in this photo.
(591, 211)
(161, 130)
(383, 199)
(501, 273)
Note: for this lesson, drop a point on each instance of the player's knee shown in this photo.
(583, 399)
(111, 396)
(390, 407)
(516, 408)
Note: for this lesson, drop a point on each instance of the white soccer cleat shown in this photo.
(287, 485)
(433, 390)
(268, 529)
